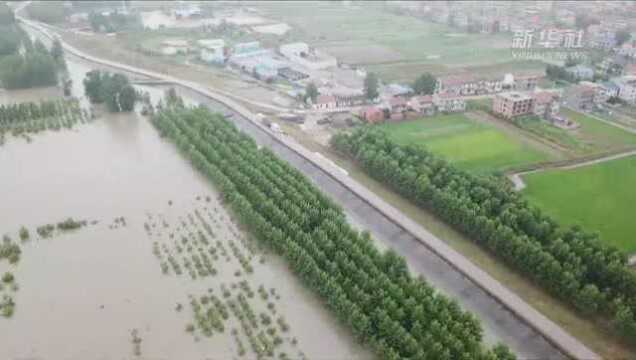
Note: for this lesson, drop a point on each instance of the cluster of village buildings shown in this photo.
(450, 95)
(495, 16)
(514, 94)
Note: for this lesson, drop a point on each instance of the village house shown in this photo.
(466, 85)
(248, 49)
(580, 72)
(372, 114)
(613, 65)
(301, 54)
(546, 104)
(627, 89)
(513, 103)
(174, 46)
(600, 37)
(460, 20)
(212, 50)
(325, 102)
(628, 49)
(601, 93)
(582, 96)
(393, 89)
(422, 105)
(525, 82)
(344, 96)
(630, 70)
(449, 103)
(397, 104)
(185, 10)
(611, 89)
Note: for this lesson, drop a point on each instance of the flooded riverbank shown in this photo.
(82, 294)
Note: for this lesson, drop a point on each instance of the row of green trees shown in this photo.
(14, 113)
(372, 292)
(112, 22)
(114, 90)
(570, 263)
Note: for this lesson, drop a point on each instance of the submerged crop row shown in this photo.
(570, 263)
(203, 244)
(372, 292)
(31, 117)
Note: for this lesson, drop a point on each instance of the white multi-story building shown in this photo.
(212, 50)
(301, 54)
(627, 88)
(449, 103)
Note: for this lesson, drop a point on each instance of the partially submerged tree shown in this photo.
(112, 89)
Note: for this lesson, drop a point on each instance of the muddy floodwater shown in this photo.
(24, 95)
(110, 290)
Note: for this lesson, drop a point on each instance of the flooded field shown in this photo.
(37, 94)
(146, 276)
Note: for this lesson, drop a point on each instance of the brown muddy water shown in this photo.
(35, 95)
(82, 293)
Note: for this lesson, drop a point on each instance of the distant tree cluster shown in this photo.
(371, 84)
(555, 72)
(35, 66)
(25, 64)
(112, 22)
(311, 92)
(112, 89)
(582, 21)
(6, 15)
(11, 36)
(570, 263)
(425, 84)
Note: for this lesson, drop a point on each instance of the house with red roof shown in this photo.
(372, 114)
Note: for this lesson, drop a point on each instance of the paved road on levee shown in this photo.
(504, 315)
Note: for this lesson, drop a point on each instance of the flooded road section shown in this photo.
(111, 290)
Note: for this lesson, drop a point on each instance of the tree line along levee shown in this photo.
(568, 262)
(372, 292)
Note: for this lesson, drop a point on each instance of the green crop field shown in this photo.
(472, 146)
(599, 136)
(598, 197)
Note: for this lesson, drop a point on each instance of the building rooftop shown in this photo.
(451, 80)
(175, 42)
(515, 96)
(543, 97)
(325, 99)
(211, 43)
(397, 101)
